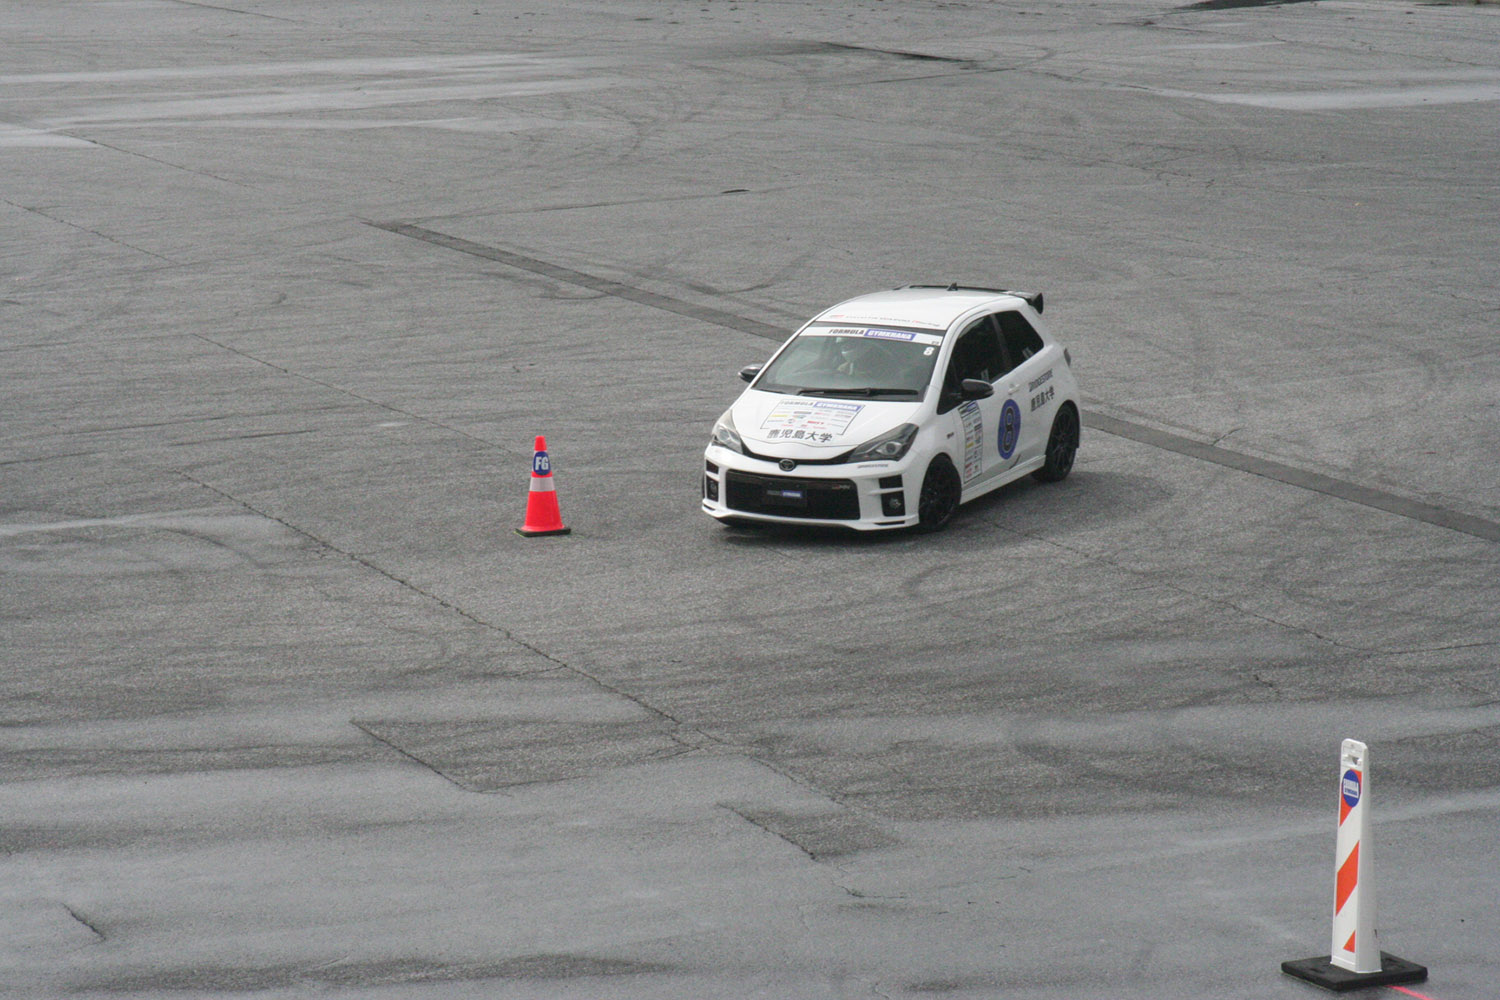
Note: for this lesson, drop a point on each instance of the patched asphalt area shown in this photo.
(290, 706)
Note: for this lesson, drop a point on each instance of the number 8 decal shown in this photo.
(1010, 428)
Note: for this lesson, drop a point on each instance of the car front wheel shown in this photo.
(1062, 445)
(940, 492)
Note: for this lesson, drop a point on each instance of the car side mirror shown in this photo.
(976, 388)
(749, 372)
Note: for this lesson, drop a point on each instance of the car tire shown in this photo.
(941, 489)
(1062, 445)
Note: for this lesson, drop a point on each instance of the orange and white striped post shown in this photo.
(1355, 959)
(1354, 945)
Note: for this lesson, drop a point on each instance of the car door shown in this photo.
(1028, 383)
(986, 450)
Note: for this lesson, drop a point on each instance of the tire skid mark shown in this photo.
(1342, 489)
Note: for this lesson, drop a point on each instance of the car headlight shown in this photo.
(886, 448)
(725, 435)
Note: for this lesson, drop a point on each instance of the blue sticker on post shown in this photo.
(1010, 428)
(541, 465)
(1351, 788)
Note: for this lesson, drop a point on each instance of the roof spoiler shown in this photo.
(1033, 299)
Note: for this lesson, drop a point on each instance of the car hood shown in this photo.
(814, 426)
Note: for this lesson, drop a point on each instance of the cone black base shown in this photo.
(1322, 972)
(529, 533)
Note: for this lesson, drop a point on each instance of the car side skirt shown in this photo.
(1009, 476)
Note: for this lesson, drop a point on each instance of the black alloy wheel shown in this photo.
(941, 489)
(1062, 446)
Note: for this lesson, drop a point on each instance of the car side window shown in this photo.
(977, 354)
(1022, 342)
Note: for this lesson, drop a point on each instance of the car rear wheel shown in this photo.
(941, 488)
(1062, 445)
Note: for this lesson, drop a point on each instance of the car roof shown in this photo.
(932, 306)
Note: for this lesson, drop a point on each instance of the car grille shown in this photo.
(786, 496)
(842, 458)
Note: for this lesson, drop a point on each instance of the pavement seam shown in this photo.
(775, 833)
(414, 758)
(444, 603)
(85, 229)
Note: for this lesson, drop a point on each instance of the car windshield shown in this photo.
(855, 362)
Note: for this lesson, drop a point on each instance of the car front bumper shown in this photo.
(868, 496)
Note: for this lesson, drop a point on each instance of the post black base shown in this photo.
(1322, 972)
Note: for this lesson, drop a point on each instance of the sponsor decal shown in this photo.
(906, 335)
(1043, 398)
(812, 420)
(973, 422)
(541, 465)
(875, 333)
(1040, 381)
(1351, 788)
(1010, 428)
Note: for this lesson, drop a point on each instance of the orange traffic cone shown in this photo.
(542, 515)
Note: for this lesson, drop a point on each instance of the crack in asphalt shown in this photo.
(85, 922)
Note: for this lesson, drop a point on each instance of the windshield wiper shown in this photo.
(859, 392)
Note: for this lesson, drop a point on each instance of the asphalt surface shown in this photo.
(288, 708)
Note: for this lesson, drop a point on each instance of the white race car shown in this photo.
(891, 409)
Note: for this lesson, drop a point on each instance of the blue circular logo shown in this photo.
(1010, 428)
(1351, 788)
(541, 465)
